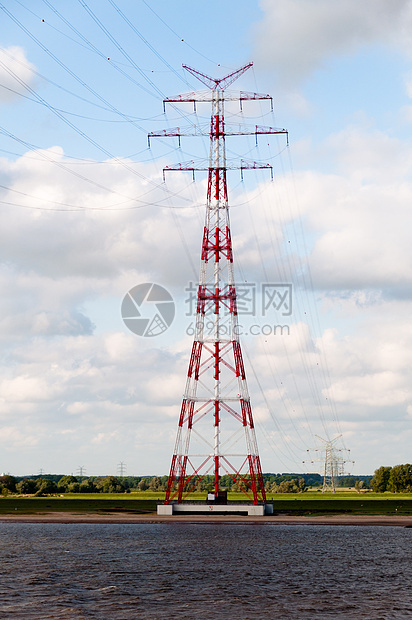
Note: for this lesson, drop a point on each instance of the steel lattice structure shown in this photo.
(333, 464)
(216, 432)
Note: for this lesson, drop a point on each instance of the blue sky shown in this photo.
(85, 216)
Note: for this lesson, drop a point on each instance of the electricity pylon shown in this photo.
(333, 464)
(216, 432)
(121, 469)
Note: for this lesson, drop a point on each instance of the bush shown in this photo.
(45, 487)
(64, 483)
(400, 479)
(7, 483)
(27, 486)
(87, 486)
(295, 485)
(110, 484)
(379, 482)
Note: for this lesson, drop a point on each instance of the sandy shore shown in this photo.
(69, 517)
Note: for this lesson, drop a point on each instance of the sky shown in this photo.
(86, 216)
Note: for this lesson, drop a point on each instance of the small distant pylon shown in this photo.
(121, 469)
(81, 470)
(333, 464)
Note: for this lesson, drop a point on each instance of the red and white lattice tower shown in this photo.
(216, 432)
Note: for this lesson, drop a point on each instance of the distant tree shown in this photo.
(239, 487)
(143, 486)
(87, 486)
(74, 487)
(347, 481)
(45, 487)
(155, 484)
(359, 484)
(65, 482)
(379, 482)
(8, 483)
(109, 484)
(288, 486)
(301, 485)
(27, 486)
(400, 479)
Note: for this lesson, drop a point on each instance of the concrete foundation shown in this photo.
(165, 509)
(246, 509)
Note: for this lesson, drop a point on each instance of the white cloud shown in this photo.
(355, 217)
(93, 243)
(72, 389)
(295, 37)
(15, 71)
(87, 389)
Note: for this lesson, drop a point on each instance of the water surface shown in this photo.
(204, 571)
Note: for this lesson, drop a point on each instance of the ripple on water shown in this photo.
(216, 571)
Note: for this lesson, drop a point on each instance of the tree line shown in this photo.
(397, 479)
(40, 486)
(52, 484)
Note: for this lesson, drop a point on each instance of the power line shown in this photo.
(178, 35)
(120, 48)
(146, 42)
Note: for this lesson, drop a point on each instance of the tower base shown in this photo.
(239, 509)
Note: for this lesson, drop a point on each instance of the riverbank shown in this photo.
(141, 507)
(125, 518)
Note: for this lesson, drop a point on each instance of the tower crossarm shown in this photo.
(203, 130)
(206, 96)
(191, 166)
(257, 130)
(193, 130)
(218, 83)
(245, 96)
(254, 165)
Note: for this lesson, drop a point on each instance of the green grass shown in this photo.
(316, 503)
(98, 504)
(309, 503)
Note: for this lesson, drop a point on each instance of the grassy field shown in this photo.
(94, 503)
(309, 503)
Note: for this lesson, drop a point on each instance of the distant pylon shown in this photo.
(216, 432)
(333, 463)
(121, 469)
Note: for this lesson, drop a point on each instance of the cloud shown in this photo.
(14, 69)
(65, 226)
(86, 386)
(61, 379)
(356, 382)
(348, 224)
(296, 37)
